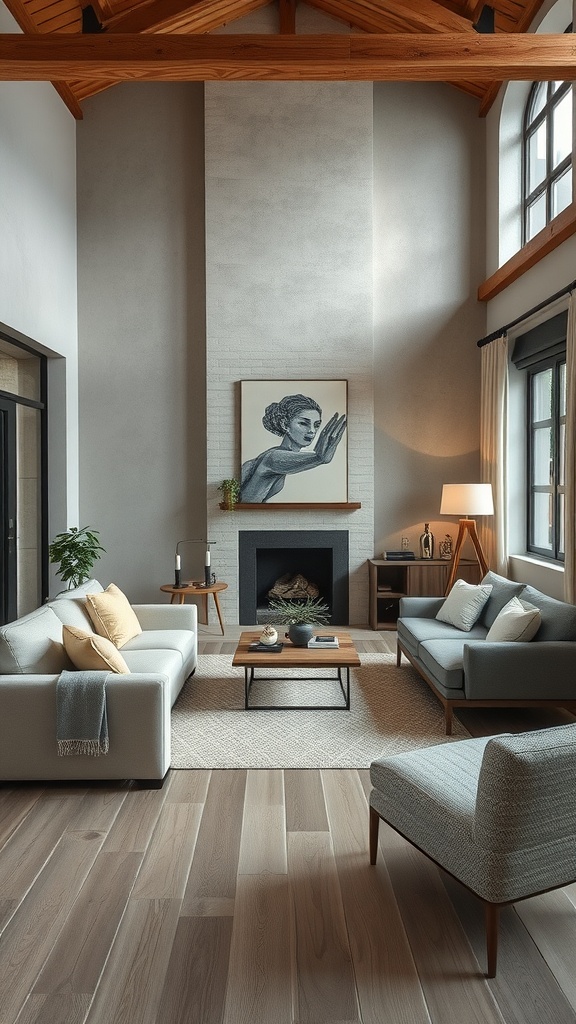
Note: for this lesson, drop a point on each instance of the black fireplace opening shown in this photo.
(265, 556)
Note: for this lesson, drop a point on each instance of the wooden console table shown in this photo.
(420, 577)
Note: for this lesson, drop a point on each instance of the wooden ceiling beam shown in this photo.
(394, 15)
(451, 57)
(180, 15)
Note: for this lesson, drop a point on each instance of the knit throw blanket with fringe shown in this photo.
(81, 720)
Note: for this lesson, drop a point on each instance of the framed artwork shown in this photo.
(294, 441)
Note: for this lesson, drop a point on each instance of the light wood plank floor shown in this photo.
(246, 897)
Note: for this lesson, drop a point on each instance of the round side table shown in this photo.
(178, 594)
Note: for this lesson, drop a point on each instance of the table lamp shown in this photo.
(466, 500)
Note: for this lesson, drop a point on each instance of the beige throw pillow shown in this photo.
(112, 615)
(463, 605)
(518, 620)
(89, 652)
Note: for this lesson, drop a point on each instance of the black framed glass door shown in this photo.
(8, 511)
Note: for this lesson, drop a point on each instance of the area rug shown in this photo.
(391, 709)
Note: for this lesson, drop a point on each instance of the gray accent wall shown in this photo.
(429, 252)
(343, 237)
(141, 328)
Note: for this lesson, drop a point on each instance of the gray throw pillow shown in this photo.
(503, 590)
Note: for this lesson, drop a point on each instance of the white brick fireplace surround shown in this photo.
(289, 287)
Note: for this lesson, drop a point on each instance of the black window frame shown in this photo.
(553, 174)
(555, 488)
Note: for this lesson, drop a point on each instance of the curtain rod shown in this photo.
(535, 309)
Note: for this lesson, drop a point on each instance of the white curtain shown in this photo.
(570, 456)
(493, 450)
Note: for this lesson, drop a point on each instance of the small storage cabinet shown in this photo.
(424, 577)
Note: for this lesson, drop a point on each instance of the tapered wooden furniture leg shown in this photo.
(374, 824)
(398, 655)
(448, 719)
(466, 526)
(491, 916)
(217, 603)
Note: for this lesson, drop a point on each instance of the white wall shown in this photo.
(429, 251)
(38, 259)
(141, 328)
(289, 285)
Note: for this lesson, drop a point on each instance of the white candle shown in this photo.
(177, 561)
(207, 559)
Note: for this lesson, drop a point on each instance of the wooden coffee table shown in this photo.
(341, 659)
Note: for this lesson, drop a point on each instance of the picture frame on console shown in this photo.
(293, 441)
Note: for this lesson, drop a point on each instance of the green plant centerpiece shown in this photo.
(230, 490)
(300, 617)
(74, 552)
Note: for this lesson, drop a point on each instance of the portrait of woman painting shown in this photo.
(293, 444)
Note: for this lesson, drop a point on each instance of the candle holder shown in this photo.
(209, 576)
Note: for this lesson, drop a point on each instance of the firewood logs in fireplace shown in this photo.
(293, 588)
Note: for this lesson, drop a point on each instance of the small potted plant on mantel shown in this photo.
(300, 617)
(230, 490)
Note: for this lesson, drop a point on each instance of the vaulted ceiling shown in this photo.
(461, 42)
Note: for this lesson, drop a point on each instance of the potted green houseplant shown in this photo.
(300, 616)
(230, 490)
(74, 552)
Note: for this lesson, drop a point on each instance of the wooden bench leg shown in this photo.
(491, 917)
(374, 825)
(398, 655)
(448, 718)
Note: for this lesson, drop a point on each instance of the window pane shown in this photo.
(542, 521)
(542, 456)
(542, 396)
(561, 524)
(562, 193)
(562, 129)
(562, 386)
(561, 450)
(536, 217)
(537, 157)
(538, 101)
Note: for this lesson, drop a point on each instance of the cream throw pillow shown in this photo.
(112, 615)
(464, 604)
(89, 652)
(518, 620)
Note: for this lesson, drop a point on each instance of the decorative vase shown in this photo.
(300, 633)
(427, 543)
(269, 636)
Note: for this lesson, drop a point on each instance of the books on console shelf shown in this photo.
(323, 641)
(399, 556)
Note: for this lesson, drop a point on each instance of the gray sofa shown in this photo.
(464, 670)
(32, 656)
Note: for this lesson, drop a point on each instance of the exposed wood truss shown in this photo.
(168, 40)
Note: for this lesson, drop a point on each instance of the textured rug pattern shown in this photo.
(392, 710)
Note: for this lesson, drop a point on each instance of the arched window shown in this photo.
(547, 155)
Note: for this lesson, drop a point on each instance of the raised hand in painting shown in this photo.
(329, 438)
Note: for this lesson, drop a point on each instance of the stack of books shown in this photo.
(323, 641)
(266, 648)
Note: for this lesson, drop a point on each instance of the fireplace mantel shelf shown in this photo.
(348, 506)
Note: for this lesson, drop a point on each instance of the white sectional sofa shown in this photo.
(32, 655)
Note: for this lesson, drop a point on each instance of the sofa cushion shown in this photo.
(558, 617)
(70, 605)
(181, 640)
(518, 621)
(167, 663)
(464, 604)
(443, 659)
(33, 643)
(413, 632)
(112, 615)
(91, 652)
(503, 591)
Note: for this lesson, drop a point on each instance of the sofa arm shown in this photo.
(420, 607)
(167, 616)
(520, 671)
(138, 712)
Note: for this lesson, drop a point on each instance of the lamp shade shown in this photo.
(467, 500)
